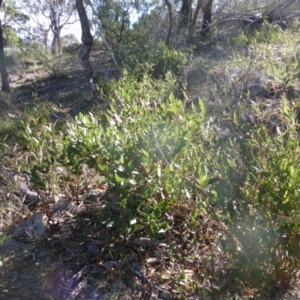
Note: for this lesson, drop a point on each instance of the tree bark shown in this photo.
(207, 12)
(168, 38)
(194, 20)
(3, 71)
(185, 14)
(55, 46)
(54, 18)
(86, 38)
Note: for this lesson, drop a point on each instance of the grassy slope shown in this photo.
(185, 181)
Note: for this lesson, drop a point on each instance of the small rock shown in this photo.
(94, 194)
(165, 295)
(31, 227)
(31, 197)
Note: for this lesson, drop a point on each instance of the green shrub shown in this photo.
(12, 55)
(147, 152)
(10, 60)
(269, 34)
(261, 200)
(240, 39)
(155, 60)
(71, 49)
(266, 34)
(165, 59)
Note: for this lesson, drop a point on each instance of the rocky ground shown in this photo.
(60, 251)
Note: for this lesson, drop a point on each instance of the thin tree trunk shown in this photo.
(54, 46)
(185, 14)
(190, 14)
(3, 71)
(45, 37)
(58, 42)
(194, 20)
(53, 26)
(168, 38)
(207, 12)
(86, 38)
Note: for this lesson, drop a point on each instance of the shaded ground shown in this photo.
(60, 80)
(80, 257)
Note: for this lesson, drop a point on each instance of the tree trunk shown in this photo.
(58, 42)
(185, 14)
(3, 71)
(45, 37)
(54, 50)
(55, 46)
(86, 38)
(168, 38)
(207, 12)
(194, 20)
(55, 28)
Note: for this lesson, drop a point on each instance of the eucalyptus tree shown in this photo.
(56, 13)
(207, 15)
(13, 20)
(185, 14)
(3, 71)
(86, 39)
(114, 21)
(189, 17)
(169, 6)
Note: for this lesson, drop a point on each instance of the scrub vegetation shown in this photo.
(180, 167)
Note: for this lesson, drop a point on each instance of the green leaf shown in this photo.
(203, 110)
(286, 109)
(145, 152)
(202, 179)
(118, 178)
